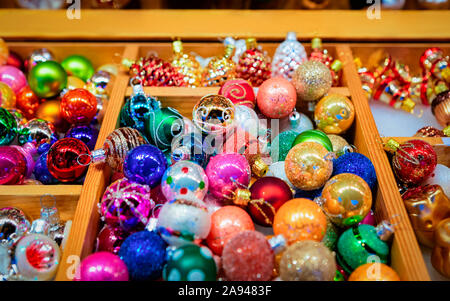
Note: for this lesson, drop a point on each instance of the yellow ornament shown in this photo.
(334, 114)
(74, 83)
(376, 271)
(340, 145)
(4, 52)
(7, 97)
(220, 69)
(440, 258)
(50, 111)
(111, 68)
(187, 65)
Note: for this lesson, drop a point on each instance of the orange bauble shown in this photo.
(78, 106)
(374, 272)
(27, 102)
(300, 219)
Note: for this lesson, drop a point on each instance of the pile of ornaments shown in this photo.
(242, 59)
(50, 113)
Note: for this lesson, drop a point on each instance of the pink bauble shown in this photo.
(110, 239)
(102, 266)
(239, 91)
(28, 150)
(369, 219)
(13, 166)
(276, 97)
(13, 77)
(226, 172)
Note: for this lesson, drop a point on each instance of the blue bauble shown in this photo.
(357, 164)
(136, 111)
(87, 134)
(41, 172)
(145, 164)
(310, 194)
(144, 254)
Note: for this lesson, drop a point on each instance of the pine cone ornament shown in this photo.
(187, 65)
(153, 71)
(220, 69)
(288, 56)
(254, 65)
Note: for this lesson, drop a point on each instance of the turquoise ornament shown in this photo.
(314, 136)
(79, 66)
(8, 127)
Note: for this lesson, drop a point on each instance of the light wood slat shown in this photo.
(86, 220)
(406, 257)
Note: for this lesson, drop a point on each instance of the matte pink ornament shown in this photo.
(102, 266)
(13, 77)
(276, 97)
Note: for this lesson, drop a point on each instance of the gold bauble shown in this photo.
(312, 80)
(187, 65)
(7, 96)
(440, 257)
(374, 272)
(334, 114)
(339, 144)
(220, 69)
(50, 111)
(111, 68)
(440, 107)
(214, 114)
(74, 82)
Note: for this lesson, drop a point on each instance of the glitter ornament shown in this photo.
(288, 56)
(214, 114)
(276, 97)
(153, 71)
(281, 145)
(144, 254)
(307, 166)
(79, 66)
(248, 256)
(331, 236)
(277, 169)
(27, 102)
(440, 258)
(220, 69)
(86, 133)
(340, 145)
(8, 127)
(186, 64)
(307, 261)
(184, 178)
(126, 205)
(254, 65)
(41, 172)
(413, 161)
(314, 136)
(4, 52)
(358, 164)
(319, 53)
(183, 220)
(109, 239)
(102, 266)
(13, 77)
(334, 114)
(346, 199)
(429, 131)
(78, 106)
(312, 80)
(13, 166)
(7, 96)
(440, 107)
(374, 272)
(239, 91)
(47, 79)
(190, 263)
(38, 56)
(13, 224)
(145, 164)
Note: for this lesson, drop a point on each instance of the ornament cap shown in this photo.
(316, 43)
(384, 230)
(291, 36)
(447, 131)
(229, 51)
(98, 155)
(336, 65)
(259, 167)
(408, 105)
(358, 63)
(241, 197)
(277, 243)
(250, 43)
(136, 84)
(392, 145)
(40, 226)
(127, 63)
(177, 46)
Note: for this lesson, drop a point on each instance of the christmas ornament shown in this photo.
(190, 263)
(331, 236)
(13, 224)
(101, 82)
(226, 222)
(276, 97)
(188, 147)
(73, 83)
(186, 64)
(307, 165)
(374, 272)
(78, 106)
(288, 56)
(145, 164)
(430, 62)
(307, 261)
(268, 194)
(440, 107)
(39, 132)
(336, 72)
(240, 46)
(281, 145)
(239, 91)
(300, 219)
(389, 91)
(440, 258)
(102, 266)
(126, 205)
(441, 176)
(254, 65)
(50, 111)
(277, 169)
(429, 131)
(37, 257)
(86, 133)
(110, 239)
(144, 254)
(358, 164)
(47, 79)
(433, 4)
(183, 220)
(41, 172)
(346, 199)
(393, 4)
(248, 256)
(246, 120)
(356, 246)
(4, 52)
(153, 71)
(110, 68)
(79, 66)
(13, 166)
(184, 178)
(314, 136)
(334, 114)
(13, 77)
(312, 80)
(427, 206)
(7, 96)
(413, 161)
(220, 69)
(38, 56)
(369, 219)
(227, 173)
(8, 127)
(297, 122)
(65, 159)
(27, 102)
(214, 114)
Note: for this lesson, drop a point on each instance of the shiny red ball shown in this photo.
(67, 159)
(78, 106)
(268, 194)
(110, 239)
(414, 161)
(239, 91)
(15, 60)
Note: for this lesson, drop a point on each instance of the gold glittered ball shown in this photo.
(334, 114)
(312, 80)
(339, 144)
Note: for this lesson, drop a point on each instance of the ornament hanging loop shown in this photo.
(41, 200)
(91, 159)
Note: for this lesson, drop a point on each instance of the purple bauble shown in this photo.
(369, 219)
(145, 164)
(41, 172)
(127, 205)
(110, 239)
(13, 77)
(102, 266)
(87, 134)
(13, 166)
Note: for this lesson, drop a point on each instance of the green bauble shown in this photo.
(47, 79)
(331, 236)
(162, 126)
(281, 145)
(190, 263)
(314, 136)
(357, 244)
(8, 127)
(79, 66)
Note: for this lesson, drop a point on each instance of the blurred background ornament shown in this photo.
(392, 4)
(288, 56)
(104, 4)
(7, 96)
(254, 65)
(315, 4)
(433, 4)
(41, 4)
(220, 69)
(38, 56)
(186, 64)
(312, 80)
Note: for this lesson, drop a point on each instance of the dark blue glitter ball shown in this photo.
(357, 164)
(144, 254)
(308, 194)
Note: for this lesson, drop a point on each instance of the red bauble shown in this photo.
(226, 222)
(15, 60)
(27, 102)
(64, 158)
(276, 97)
(78, 106)
(110, 239)
(414, 161)
(254, 66)
(153, 71)
(268, 194)
(239, 91)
